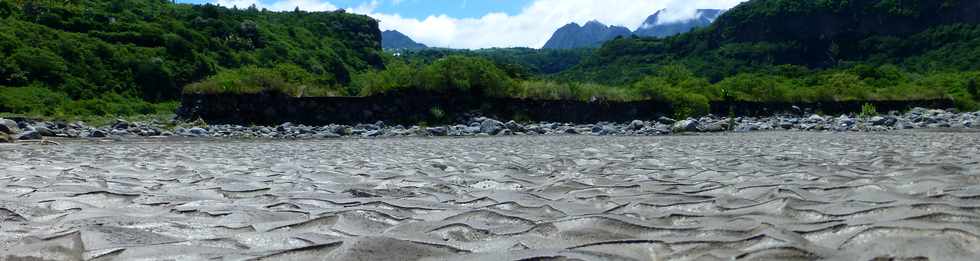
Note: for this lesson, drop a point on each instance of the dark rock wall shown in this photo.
(414, 108)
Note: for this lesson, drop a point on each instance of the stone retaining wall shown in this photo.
(413, 108)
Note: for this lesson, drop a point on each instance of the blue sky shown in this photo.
(490, 23)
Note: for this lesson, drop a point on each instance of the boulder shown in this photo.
(30, 135)
(514, 126)
(5, 138)
(815, 119)
(44, 131)
(786, 125)
(877, 121)
(636, 125)
(686, 126)
(121, 124)
(491, 126)
(437, 131)
(98, 134)
(666, 121)
(198, 132)
(719, 126)
(9, 126)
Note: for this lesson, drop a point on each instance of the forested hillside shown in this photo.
(915, 35)
(111, 57)
(99, 50)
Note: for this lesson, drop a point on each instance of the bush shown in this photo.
(39, 101)
(31, 100)
(868, 110)
(686, 103)
(284, 78)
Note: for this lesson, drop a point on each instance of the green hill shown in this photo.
(149, 49)
(917, 35)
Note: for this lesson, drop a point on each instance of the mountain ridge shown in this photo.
(594, 34)
(395, 40)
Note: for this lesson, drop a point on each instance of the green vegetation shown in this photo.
(139, 51)
(868, 110)
(128, 57)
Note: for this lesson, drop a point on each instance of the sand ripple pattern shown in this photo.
(762, 196)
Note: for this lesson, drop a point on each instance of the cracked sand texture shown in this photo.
(758, 196)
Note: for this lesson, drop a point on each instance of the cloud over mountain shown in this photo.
(531, 27)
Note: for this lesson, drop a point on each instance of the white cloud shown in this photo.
(530, 28)
(535, 23)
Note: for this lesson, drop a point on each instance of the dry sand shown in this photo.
(775, 195)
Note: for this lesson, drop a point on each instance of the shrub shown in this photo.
(284, 78)
(868, 110)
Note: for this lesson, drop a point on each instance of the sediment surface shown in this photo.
(767, 195)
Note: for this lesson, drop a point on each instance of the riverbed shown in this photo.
(756, 196)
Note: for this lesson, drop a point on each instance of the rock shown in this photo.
(491, 126)
(437, 131)
(198, 132)
(9, 126)
(367, 127)
(514, 126)
(120, 132)
(786, 125)
(121, 124)
(505, 132)
(877, 121)
(596, 128)
(609, 130)
(815, 119)
(571, 131)
(327, 135)
(373, 133)
(686, 126)
(29, 135)
(714, 127)
(5, 138)
(636, 125)
(666, 121)
(843, 120)
(44, 131)
(98, 134)
(284, 127)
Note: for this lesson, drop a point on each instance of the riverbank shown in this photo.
(918, 118)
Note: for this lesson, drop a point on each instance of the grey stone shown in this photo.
(9, 126)
(327, 135)
(514, 126)
(686, 126)
(121, 124)
(29, 135)
(98, 134)
(198, 132)
(815, 119)
(373, 133)
(786, 125)
(636, 125)
(878, 121)
(714, 127)
(491, 126)
(437, 131)
(667, 121)
(44, 131)
(120, 132)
